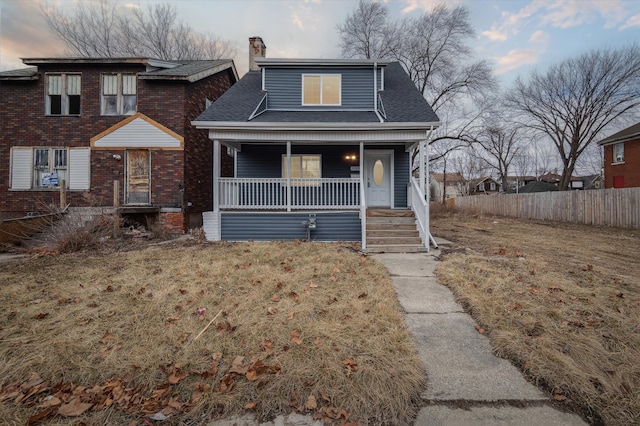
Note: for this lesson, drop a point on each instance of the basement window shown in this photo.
(321, 89)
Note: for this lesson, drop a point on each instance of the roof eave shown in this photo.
(19, 78)
(192, 78)
(611, 141)
(235, 125)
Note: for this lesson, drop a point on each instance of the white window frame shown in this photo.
(119, 95)
(492, 186)
(64, 94)
(322, 76)
(618, 153)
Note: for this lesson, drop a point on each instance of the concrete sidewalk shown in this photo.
(467, 384)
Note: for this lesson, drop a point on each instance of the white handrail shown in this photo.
(420, 207)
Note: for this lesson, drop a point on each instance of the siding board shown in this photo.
(261, 226)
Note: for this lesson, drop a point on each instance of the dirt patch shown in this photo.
(562, 301)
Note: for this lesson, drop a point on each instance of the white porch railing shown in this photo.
(272, 193)
(420, 207)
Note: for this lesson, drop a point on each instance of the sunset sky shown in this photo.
(514, 35)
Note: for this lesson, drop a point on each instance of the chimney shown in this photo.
(257, 49)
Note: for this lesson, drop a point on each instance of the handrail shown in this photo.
(420, 207)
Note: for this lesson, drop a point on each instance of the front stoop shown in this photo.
(392, 231)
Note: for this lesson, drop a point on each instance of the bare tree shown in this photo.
(468, 165)
(575, 100)
(366, 33)
(102, 29)
(500, 145)
(434, 49)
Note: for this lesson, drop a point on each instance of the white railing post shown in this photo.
(288, 176)
(363, 204)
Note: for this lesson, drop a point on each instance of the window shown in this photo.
(46, 167)
(119, 95)
(321, 89)
(492, 186)
(49, 167)
(303, 166)
(63, 94)
(618, 153)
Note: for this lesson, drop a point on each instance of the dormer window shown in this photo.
(321, 89)
(618, 153)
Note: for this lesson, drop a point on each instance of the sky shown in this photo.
(516, 36)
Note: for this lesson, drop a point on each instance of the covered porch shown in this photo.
(271, 198)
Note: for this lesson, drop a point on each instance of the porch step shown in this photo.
(392, 231)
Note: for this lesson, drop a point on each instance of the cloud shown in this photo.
(495, 34)
(539, 37)
(515, 59)
(296, 20)
(425, 5)
(633, 21)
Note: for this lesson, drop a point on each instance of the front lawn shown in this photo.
(202, 331)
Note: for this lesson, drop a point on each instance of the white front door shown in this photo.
(378, 178)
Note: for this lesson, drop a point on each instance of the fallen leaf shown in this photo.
(275, 298)
(294, 336)
(36, 418)
(311, 403)
(74, 408)
(251, 405)
(290, 316)
(51, 402)
(480, 329)
(272, 311)
(42, 315)
(108, 337)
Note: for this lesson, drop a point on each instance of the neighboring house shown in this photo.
(554, 179)
(116, 131)
(622, 158)
(447, 185)
(319, 143)
(484, 185)
(592, 181)
(516, 182)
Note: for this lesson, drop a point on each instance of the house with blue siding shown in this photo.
(323, 151)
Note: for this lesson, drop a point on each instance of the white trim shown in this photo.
(241, 125)
(339, 136)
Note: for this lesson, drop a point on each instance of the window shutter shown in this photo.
(79, 167)
(21, 168)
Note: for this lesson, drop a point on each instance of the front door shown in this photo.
(138, 177)
(378, 176)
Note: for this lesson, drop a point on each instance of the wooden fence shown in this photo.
(609, 207)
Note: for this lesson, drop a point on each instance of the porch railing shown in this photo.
(420, 207)
(274, 193)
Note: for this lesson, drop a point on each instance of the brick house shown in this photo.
(622, 158)
(484, 185)
(116, 131)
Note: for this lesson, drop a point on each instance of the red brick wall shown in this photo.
(172, 223)
(630, 169)
(175, 174)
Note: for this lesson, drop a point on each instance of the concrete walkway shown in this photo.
(467, 384)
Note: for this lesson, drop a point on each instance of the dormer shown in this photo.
(322, 85)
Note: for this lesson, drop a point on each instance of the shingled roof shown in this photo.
(629, 133)
(402, 102)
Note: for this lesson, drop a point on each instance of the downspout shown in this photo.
(375, 91)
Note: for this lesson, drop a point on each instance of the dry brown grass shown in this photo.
(562, 301)
(318, 325)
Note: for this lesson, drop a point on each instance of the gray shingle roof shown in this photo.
(21, 74)
(402, 102)
(186, 69)
(623, 135)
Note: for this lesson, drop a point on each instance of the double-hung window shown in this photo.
(618, 152)
(63, 94)
(306, 166)
(49, 167)
(119, 94)
(321, 89)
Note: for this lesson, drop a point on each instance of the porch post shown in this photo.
(216, 175)
(363, 201)
(288, 176)
(422, 166)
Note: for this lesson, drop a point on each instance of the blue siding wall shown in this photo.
(260, 226)
(262, 161)
(265, 161)
(284, 87)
